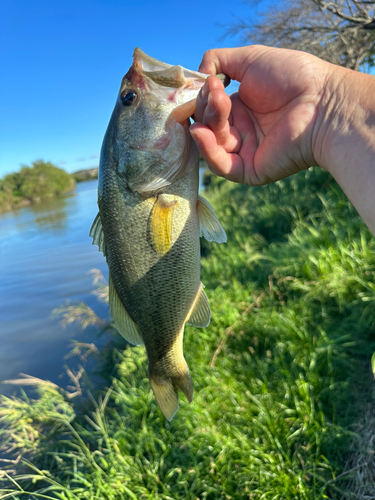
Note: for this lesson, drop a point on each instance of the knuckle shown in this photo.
(209, 60)
(209, 54)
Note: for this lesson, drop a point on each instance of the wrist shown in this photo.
(331, 114)
(344, 131)
(344, 142)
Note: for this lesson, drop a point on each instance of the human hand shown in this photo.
(268, 129)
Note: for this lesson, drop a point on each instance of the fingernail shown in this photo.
(211, 108)
(204, 92)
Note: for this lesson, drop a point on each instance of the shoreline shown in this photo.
(76, 177)
(25, 202)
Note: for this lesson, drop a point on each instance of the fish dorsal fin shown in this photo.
(124, 323)
(97, 234)
(200, 313)
(161, 223)
(210, 226)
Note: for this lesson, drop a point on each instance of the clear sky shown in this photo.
(61, 65)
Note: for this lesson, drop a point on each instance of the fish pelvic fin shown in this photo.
(210, 226)
(124, 323)
(166, 389)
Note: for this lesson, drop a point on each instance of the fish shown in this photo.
(151, 218)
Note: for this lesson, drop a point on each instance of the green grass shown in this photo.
(281, 375)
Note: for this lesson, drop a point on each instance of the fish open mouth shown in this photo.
(168, 84)
(183, 83)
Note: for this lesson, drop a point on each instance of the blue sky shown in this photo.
(62, 63)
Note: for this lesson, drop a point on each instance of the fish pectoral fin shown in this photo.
(124, 323)
(161, 222)
(200, 314)
(166, 392)
(210, 226)
(97, 234)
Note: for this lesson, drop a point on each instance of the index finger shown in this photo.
(232, 62)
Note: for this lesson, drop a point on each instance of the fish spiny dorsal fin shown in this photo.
(200, 313)
(97, 234)
(210, 226)
(124, 323)
(162, 216)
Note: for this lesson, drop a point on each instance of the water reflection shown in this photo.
(51, 214)
(45, 257)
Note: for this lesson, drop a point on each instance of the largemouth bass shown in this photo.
(151, 218)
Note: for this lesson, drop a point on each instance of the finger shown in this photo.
(213, 109)
(216, 117)
(232, 62)
(220, 162)
(201, 102)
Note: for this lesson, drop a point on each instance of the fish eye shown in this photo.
(129, 97)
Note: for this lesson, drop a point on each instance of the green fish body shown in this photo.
(151, 218)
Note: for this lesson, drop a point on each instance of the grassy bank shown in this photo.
(281, 376)
(32, 184)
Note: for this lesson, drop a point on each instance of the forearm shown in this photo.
(344, 144)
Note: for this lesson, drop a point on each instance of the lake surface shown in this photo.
(45, 259)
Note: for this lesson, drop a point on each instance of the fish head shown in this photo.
(148, 132)
(149, 94)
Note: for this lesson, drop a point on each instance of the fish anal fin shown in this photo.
(97, 234)
(166, 391)
(200, 313)
(124, 323)
(162, 218)
(210, 226)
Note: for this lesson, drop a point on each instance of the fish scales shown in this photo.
(150, 220)
(141, 278)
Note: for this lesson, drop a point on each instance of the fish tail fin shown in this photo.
(166, 391)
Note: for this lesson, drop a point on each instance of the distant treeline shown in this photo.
(32, 184)
(85, 175)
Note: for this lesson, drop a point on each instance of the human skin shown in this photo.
(292, 111)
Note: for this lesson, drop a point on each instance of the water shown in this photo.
(45, 257)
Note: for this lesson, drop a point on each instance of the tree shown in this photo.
(339, 31)
(30, 184)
